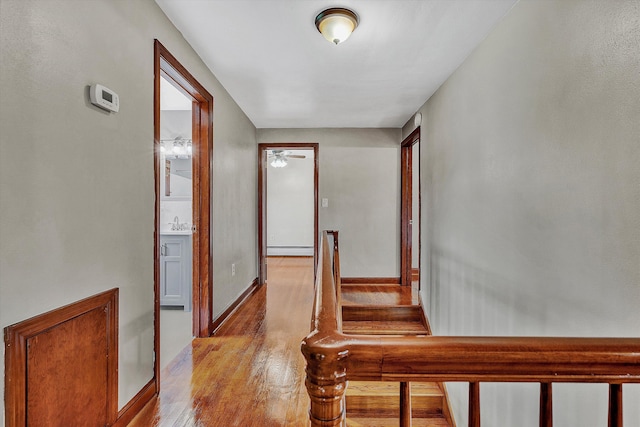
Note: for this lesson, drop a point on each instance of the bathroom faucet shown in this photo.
(176, 225)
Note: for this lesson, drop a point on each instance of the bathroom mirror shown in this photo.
(177, 184)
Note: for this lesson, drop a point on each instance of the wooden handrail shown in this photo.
(333, 357)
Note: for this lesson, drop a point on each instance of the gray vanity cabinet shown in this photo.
(175, 270)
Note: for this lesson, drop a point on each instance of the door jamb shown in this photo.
(166, 65)
(262, 200)
(406, 171)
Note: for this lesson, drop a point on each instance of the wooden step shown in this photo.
(383, 328)
(384, 320)
(368, 399)
(391, 422)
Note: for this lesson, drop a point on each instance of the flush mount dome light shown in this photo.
(336, 24)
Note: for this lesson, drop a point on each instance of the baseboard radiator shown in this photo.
(290, 251)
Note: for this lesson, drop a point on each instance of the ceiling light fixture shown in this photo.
(279, 162)
(178, 148)
(336, 24)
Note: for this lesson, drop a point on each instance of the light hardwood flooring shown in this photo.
(251, 373)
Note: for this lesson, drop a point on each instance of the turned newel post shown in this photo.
(326, 383)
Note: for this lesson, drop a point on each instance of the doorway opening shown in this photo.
(410, 211)
(176, 220)
(183, 147)
(287, 202)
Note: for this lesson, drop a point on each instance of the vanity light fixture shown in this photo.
(179, 147)
(336, 24)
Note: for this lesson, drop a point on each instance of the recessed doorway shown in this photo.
(176, 220)
(183, 147)
(410, 211)
(287, 202)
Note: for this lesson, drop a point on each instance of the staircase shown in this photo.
(377, 404)
(400, 350)
(384, 320)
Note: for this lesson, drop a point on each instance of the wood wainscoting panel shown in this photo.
(61, 366)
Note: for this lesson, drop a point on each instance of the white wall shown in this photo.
(77, 185)
(359, 173)
(290, 205)
(531, 194)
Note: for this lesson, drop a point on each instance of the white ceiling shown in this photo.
(171, 98)
(270, 57)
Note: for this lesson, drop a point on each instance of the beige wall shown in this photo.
(76, 184)
(360, 175)
(531, 194)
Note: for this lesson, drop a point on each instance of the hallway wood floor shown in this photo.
(251, 373)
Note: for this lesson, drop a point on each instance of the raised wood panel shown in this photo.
(67, 373)
(61, 366)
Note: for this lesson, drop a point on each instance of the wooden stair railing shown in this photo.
(333, 358)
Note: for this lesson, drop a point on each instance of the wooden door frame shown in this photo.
(262, 201)
(406, 184)
(166, 65)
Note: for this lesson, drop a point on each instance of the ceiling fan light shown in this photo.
(279, 162)
(336, 24)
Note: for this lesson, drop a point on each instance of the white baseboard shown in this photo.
(290, 251)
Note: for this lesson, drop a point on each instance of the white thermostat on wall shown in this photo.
(104, 98)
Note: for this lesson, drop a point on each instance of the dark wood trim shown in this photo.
(546, 405)
(166, 65)
(253, 288)
(157, 170)
(333, 357)
(423, 312)
(406, 193)
(262, 200)
(262, 217)
(370, 280)
(615, 406)
(17, 335)
(135, 405)
(474, 404)
(405, 404)
(202, 134)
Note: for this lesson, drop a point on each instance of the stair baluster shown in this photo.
(405, 404)
(474, 404)
(546, 405)
(615, 405)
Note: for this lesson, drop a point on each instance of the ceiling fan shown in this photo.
(280, 158)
